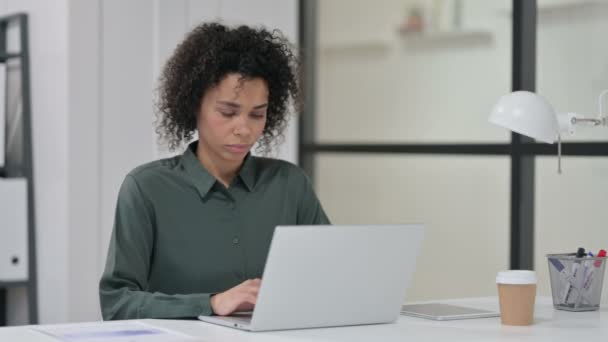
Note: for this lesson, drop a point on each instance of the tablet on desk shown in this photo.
(445, 312)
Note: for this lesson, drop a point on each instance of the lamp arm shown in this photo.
(590, 121)
(601, 120)
(568, 120)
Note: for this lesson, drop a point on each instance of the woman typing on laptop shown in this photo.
(192, 232)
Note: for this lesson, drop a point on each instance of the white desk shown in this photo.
(550, 325)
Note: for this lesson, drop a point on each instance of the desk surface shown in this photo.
(549, 325)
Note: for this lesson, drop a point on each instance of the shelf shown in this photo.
(564, 7)
(9, 284)
(447, 38)
(417, 38)
(371, 44)
(7, 56)
(569, 7)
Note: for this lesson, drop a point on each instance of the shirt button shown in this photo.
(235, 240)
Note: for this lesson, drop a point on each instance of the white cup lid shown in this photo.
(516, 277)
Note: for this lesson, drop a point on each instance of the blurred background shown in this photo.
(394, 130)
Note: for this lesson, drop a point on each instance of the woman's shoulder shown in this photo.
(280, 167)
(150, 171)
(272, 164)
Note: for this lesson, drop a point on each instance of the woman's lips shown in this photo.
(238, 148)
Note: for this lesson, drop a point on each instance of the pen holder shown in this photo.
(576, 283)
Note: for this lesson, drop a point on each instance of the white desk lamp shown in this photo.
(529, 114)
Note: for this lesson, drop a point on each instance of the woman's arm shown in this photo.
(122, 289)
(310, 211)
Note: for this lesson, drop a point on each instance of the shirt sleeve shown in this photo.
(123, 287)
(310, 211)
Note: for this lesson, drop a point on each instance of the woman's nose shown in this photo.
(241, 127)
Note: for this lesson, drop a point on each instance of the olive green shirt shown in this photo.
(180, 235)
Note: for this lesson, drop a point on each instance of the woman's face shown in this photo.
(232, 117)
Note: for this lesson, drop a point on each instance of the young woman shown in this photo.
(192, 232)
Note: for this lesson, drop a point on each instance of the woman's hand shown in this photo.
(239, 298)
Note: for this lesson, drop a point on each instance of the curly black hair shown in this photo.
(209, 53)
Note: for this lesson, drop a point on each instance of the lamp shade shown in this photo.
(526, 113)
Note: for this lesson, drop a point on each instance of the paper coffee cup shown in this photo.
(516, 294)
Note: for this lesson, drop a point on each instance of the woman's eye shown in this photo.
(258, 116)
(228, 114)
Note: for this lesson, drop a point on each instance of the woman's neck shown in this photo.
(223, 171)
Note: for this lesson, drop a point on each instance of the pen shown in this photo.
(561, 269)
(587, 265)
(596, 264)
(580, 253)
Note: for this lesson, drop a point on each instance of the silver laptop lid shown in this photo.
(317, 276)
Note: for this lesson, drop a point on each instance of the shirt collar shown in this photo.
(247, 172)
(204, 181)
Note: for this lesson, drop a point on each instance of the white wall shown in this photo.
(84, 187)
(48, 24)
(94, 65)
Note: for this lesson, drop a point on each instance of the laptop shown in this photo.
(327, 276)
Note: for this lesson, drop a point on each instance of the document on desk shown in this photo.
(113, 332)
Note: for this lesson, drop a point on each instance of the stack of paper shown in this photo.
(113, 332)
